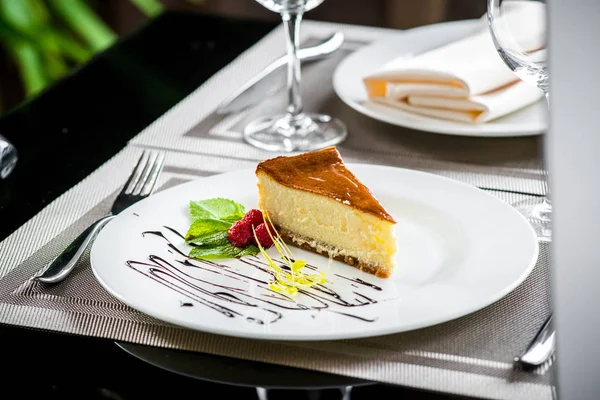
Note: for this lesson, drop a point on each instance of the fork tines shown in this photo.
(143, 178)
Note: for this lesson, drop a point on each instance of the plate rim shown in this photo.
(445, 127)
(462, 312)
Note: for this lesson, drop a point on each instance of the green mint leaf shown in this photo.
(232, 218)
(222, 251)
(210, 239)
(217, 208)
(199, 212)
(249, 251)
(206, 226)
(213, 252)
(212, 219)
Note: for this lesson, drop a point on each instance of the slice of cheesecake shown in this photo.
(317, 204)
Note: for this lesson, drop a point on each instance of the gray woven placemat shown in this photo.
(469, 356)
(510, 163)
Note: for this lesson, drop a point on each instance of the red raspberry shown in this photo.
(254, 217)
(263, 236)
(240, 234)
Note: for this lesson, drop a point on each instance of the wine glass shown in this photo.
(263, 393)
(294, 130)
(8, 157)
(518, 30)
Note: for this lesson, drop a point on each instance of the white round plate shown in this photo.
(348, 84)
(460, 249)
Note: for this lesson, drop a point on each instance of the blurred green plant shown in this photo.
(46, 38)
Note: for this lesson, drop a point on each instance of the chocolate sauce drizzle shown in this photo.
(360, 281)
(229, 299)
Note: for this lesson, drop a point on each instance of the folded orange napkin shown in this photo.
(463, 81)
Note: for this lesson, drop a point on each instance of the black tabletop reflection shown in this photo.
(238, 372)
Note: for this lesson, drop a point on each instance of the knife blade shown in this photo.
(269, 79)
(541, 347)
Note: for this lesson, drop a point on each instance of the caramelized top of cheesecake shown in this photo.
(323, 172)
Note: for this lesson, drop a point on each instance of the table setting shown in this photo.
(445, 290)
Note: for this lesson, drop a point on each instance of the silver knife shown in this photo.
(258, 87)
(541, 347)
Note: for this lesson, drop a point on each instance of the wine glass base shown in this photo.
(539, 214)
(305, 132)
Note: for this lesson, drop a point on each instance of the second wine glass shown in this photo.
(294, 130)
(518, 30)
(8, 157)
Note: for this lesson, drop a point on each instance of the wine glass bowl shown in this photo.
(518, 30)
(291, 6)
(294, 130)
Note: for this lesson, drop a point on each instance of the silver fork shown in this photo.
(141, 184)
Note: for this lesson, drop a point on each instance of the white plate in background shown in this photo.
(348, 85)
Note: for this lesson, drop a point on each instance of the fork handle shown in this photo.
(66, 261)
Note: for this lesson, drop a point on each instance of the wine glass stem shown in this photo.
(291, 22)
(547, 202)
(262, 393)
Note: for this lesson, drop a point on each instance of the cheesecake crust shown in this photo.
(323, 173)
(302, 242)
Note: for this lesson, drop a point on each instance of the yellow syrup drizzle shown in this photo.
(288, 282)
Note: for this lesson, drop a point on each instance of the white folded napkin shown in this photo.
(463, 81)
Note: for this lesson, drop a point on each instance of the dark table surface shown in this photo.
(67, 132)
